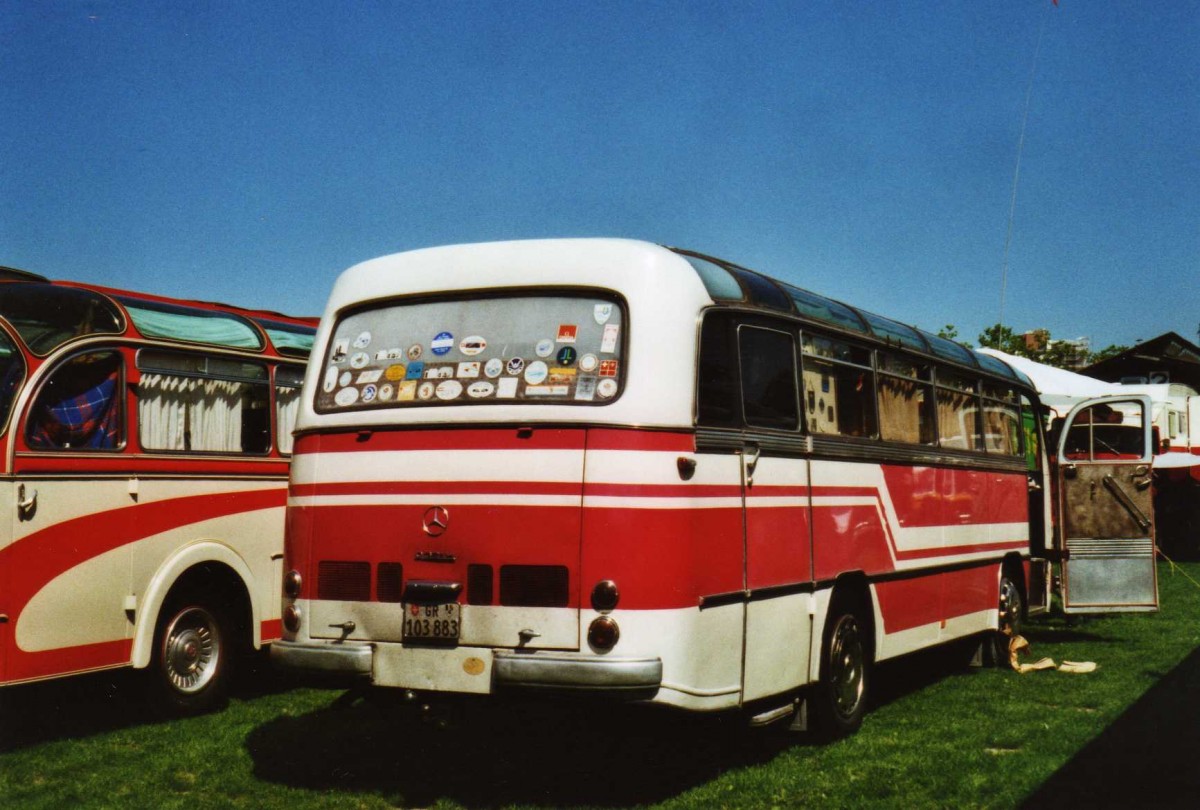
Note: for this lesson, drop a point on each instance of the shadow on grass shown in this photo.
(1147, 757)
(83, 705)
(545, 753)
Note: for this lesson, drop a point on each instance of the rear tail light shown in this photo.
(603, 634)
(292, 584)
(605, 596)
(534, 585)
(291, 618)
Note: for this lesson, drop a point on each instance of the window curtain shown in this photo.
(184, 413)
(287, 404)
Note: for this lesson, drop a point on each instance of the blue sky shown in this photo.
(249, 152)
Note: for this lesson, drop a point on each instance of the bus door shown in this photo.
(776, 509)
(70, 521)
(1106, 516)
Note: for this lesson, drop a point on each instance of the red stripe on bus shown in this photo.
(442, 440)
(36, 559)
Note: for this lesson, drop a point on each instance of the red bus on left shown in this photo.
(144, 447)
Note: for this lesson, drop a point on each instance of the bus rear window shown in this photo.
(557, 349)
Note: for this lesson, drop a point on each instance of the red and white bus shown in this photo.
(144, 448)
(606, 467)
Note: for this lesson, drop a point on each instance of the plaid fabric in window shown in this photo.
(87, 419)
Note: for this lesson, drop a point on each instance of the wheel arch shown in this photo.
(854, 585)
(203, 563)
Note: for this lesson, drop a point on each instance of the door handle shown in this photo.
(26, 506)
(750, 459)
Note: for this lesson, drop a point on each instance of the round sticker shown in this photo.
(515, 366)
(345, 378)
(544, 348)
(396, 372)
(362, 341)
(359, 360)
(415, 351)
(368, 393)
(425, 390)
(481, 389)
(589, 362)
(331, 377)
(494, 367)
(347, 396)
(385, 392)
(473, 345)
(449, 389)
(442, 343)
(536, 373)
(566, 356)
(606, 387)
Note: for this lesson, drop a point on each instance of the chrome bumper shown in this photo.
(628, 677)
(349, 660)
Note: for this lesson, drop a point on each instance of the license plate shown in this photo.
(432, 622)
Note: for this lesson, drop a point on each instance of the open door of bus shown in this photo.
(1106, 513)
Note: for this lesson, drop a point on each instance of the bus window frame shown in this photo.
(120, 394)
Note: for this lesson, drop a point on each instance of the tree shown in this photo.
(999, 336)
(1112, 350)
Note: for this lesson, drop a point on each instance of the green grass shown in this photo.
(940, 735)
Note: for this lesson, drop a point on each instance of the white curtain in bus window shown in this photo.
(905, 401)
(839, 388)
(185, 413)
(768, 364)
(287, 405)
(958, 413)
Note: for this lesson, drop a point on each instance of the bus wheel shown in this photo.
(841, 693)
(192, 659)
(1011, 607)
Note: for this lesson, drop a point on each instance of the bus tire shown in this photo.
(841, 694)
(1011, 611)
(193, 657)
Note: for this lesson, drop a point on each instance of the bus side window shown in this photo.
(716, 390)
(12, 371)
(79, 407)
(905, 400)
(193, 403)
(958, 412)
(839, 388)
(768, 365)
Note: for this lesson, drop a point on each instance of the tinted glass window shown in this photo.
(824, 309)
(895, 332)
(719, 282)
(768, 364)
(79, 407)
(46, 317)
(717, 388)
(154, 319)
(12, 371)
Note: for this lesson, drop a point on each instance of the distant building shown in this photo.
(1167, 358)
